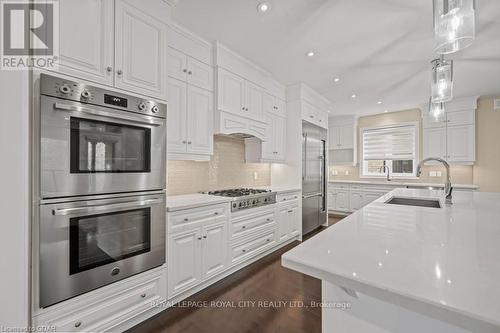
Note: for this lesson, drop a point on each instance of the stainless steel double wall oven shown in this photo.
(102, 180)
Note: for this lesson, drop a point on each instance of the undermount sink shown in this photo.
(431, 203)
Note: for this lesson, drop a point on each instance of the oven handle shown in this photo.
(141, 120)
(104, 208)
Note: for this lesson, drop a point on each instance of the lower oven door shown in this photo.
(88, 244)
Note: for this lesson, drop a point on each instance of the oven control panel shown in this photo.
(252, 202)
(84, 93)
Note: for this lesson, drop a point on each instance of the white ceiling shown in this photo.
(380, 49)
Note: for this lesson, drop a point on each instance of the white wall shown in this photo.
(14, 199)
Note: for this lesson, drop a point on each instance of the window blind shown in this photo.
(389, 143)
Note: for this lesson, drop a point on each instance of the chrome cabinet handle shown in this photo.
(268, 240)
(78, 324)
(216, 213)
(189, 142)
(186, 219)
(243, 108)
(244, 227)
(311, 195)
(184, 141)
(199, 238)
(205, 236)
(143, 295)
(190, 72)
(290, 211)
(141, 120)
(119, 72)
(109, 69)
(104, 208)
(243, 250)
(185, 70)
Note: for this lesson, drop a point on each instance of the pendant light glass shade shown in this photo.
(436, 111)
(442, 81)
(454, 25)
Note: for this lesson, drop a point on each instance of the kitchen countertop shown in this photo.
(396, 183)
(439, 261)
(187, 201)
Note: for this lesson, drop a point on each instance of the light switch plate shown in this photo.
(496, 104)
(432, 174)
(347, 172)
(255, 175)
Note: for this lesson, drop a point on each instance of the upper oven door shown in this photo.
(88, 149)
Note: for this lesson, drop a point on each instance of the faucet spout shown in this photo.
(384, 168)
(447, 186)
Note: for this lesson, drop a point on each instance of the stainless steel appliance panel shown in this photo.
(87, 149)
(87, 244)
(314, 173)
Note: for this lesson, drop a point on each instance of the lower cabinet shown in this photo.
(195, 255)
(355, 200)
(288, 217)
(347, 198)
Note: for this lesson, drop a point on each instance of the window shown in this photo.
(391, 146)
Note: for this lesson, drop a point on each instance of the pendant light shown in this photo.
(442, 80)
(436, 111)
(454, 25)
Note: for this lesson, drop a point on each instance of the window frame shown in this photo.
(363, 163)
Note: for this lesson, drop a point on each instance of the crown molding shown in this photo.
(172, 3)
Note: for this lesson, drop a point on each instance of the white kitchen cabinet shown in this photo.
(214, 249)
(231, 92)
(288, 217)
(332, 196)
(184, 260)
(434, 142)
(140, 51)
(199, 121)
(461, 142)
(355, 200)
(115, 44)
(452, 139)
(188, 69)
(177, 116)
(86, 37)
(254, 100)
(341, 137)
(190, 121)
(369, 197)
(274, 148)
(342, 200)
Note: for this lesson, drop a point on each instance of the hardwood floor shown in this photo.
(265, 280)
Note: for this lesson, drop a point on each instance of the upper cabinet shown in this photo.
(454, 137)
(342, 133)
(313, 106)
(86, 38)
(115, 44)
(190, 97)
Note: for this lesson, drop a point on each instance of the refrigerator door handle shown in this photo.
(304, 156)
(307, 196)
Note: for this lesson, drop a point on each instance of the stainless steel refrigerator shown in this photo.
(314, 205)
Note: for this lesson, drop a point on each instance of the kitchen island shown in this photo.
(409, 269)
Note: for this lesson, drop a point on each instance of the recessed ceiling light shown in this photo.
(336, 79)
(263, 7)
(379, 102)
(353, 96)
(386, 111)
(310, 53)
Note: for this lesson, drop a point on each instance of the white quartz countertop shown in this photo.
(396, 183)
(442, 262)
(187, 201)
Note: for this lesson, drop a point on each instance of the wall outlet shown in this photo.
(496, 105)
(432, 174)
(347, 172)
(438, 173)
(335, 172)
(255, 175)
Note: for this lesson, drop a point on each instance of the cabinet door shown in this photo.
(434, 142)
(461, 143)
(184, 261)
(332, 196)
(269, 104)
(280, 106)
(177, 64)
(279, 138)
(177, 113)
(269, 146)
(355, 201)
(214, 250)
(199, 74)
(199, 121)
(322, 118)
(86, 40)
(231, 92)
(342, 201)
(254, 101)
(283, 220)
(140, 52)
(370, 197)
(293, 217)
(346, 136)
(309, 113)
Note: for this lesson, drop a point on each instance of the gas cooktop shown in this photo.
(245, 198)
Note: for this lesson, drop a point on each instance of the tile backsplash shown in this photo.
(226, 169)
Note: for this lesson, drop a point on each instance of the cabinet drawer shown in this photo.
(97, 316)
(287, 197)
(245, 226)
(252, 246)
(196, 215)
(336, 186)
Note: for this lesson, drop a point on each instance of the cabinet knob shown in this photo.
(243, 250)
(199, 238)
(184, 70)
(205, 236)
(186, 219)
(78, 324)
(244, 227)
(143, 295)
(109, 69)
(189, 142)
(268, 240)
(184, 141)
(216, 213)
(190, 72)
(243, 108)
(119, 72)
